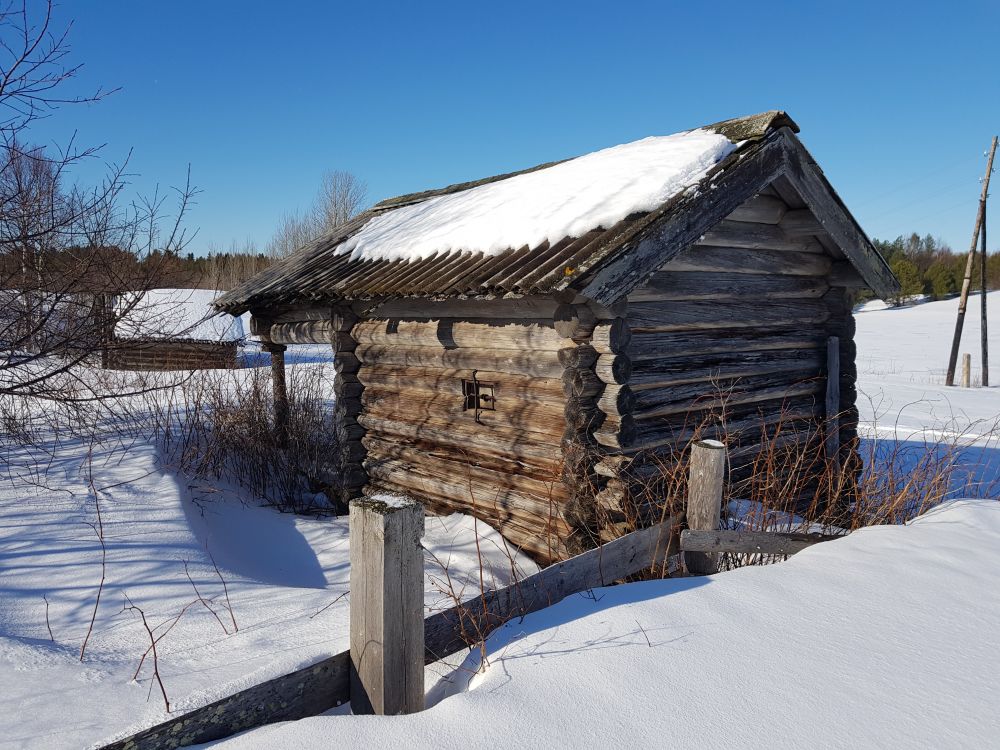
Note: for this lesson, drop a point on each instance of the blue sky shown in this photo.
(897, 101)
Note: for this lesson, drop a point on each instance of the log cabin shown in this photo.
(531, 347)
(167, 329)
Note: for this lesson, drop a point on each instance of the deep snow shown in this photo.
(287, 580)
(886, 638)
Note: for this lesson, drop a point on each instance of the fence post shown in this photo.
(831, 441)
(966, 370)
(387, 606)
(707, 474)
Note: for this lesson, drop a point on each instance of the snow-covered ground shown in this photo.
(886, 638)
(282, 581)
(902, 360)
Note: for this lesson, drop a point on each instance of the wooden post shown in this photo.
(967, 280)
(832, 437)
(966, 370)
(279, 390)
(708, 467)
(387, 607)
(984, 346)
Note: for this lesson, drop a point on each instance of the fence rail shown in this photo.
(327, 684)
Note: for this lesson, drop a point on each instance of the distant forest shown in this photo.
(925, 265)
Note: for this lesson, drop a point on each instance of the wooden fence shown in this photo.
(378, 674)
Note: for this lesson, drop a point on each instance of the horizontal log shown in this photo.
(302, 332)
(617, 433)
(699, 315)
(612, 336)
(582, 416)
(763, 209)
(472, 476)
(494, 504)
(577, 357)
(723, 366)
(801, 222)
(653, 441)
(617, 399)
(346, 362)
(448, 333)
(545, 471)
(536, 364)
(656, 345)
(581, 383)
(538, 308)
(516, 443)
(752, 236)
(692, 285)
(613, 368)
(295, 313)
(540, 418)
(437, 380)
(750, 542)
(574, 321)
(344, 388)
(741, 260)
(681, 428)
(681, 399)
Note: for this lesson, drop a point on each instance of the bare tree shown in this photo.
(340, 198)
(66, 251)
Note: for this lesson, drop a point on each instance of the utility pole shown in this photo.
(982, 308)
(967, 281)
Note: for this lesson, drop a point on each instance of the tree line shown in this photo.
(927, 266)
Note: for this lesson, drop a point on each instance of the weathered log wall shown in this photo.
(170, 354)
(727, 339)
(423, 434)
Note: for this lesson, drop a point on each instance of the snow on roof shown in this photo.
(174, 313)
(565, 200)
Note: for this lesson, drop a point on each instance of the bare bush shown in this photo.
(780, 478)
(219, 425)
(341, 197)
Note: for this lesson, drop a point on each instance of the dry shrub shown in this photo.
(219, 425)
(781, 479)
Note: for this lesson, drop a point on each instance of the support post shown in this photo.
(280, 391)
(966, 370)
(831, 442)
(967, 280)
(705, 483)
(387, 606)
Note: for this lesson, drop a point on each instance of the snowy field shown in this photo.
(886, 638)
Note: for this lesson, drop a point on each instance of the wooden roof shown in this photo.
(604, 264)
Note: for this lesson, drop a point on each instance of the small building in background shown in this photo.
(538, 348)
(171, 329)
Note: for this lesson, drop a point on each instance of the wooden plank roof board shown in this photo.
(603, 264)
